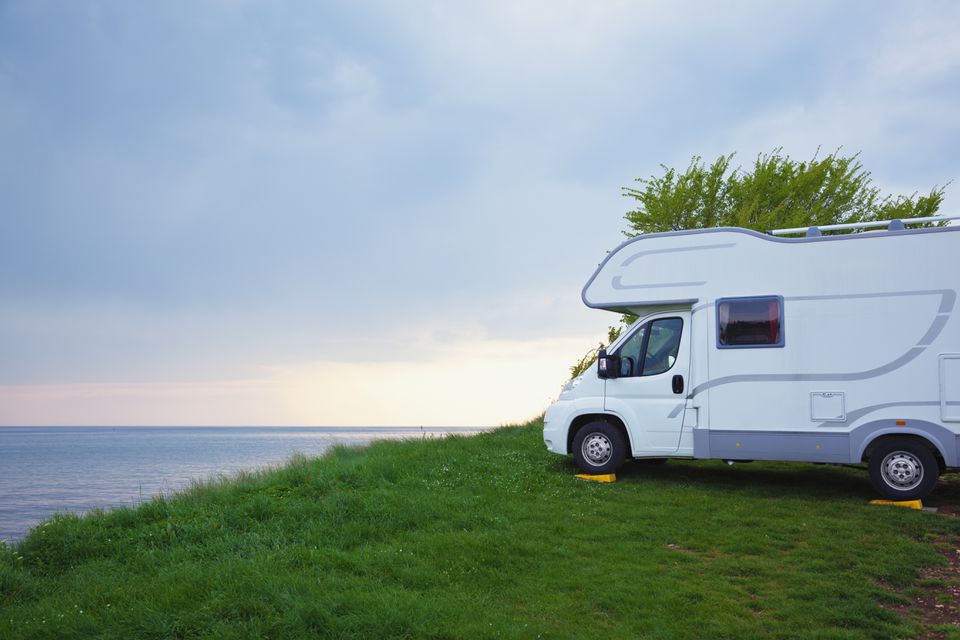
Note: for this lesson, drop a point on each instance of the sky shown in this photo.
(382, 213)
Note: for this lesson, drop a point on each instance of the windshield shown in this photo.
(624, 335)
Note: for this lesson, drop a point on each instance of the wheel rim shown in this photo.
(902, 470)
(597, 449)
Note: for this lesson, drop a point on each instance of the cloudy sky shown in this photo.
(365, 213)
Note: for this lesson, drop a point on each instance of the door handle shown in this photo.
(678, 384)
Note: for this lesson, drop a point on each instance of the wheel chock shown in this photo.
(606, 477)
(909, 504)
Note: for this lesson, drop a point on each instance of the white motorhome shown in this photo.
(823, 348)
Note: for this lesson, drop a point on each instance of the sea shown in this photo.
(49, 470)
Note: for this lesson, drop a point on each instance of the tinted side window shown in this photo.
(750, 322)
(652, 349)
(631, 349)
(662, 347)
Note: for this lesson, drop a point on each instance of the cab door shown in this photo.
(651, 389)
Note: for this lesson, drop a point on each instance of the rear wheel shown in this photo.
(599, 447)
(903, 469)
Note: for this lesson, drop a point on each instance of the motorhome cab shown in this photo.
(836, 349)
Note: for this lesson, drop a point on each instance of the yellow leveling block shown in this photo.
(607, 477)
(909, 504)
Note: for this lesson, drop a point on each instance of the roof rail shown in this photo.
(893, 225)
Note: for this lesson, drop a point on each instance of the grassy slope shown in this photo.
(488, 536)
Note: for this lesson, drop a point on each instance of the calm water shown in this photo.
(46, 470)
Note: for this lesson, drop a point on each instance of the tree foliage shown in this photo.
(775, 192)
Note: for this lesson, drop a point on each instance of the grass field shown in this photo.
(486, 536)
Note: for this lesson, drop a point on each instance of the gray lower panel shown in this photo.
(771, 445)
(818, 446)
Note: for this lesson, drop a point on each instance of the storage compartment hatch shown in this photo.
(827, 406)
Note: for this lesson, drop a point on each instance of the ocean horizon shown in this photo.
(75, 469)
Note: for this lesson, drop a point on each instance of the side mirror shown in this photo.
(607, 366)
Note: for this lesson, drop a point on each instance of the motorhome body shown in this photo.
(839, 349)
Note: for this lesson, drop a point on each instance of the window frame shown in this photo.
(642, 355)
(769, 298)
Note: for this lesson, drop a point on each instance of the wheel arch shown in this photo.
(916, 437)
(587, 418)
(865, 438)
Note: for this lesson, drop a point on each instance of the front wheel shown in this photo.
(598, 448)
(903, 469)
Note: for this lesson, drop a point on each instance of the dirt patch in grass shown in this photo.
(936, 606)
(940, 605)
(946, 495)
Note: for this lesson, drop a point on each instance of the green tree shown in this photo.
(775, 192)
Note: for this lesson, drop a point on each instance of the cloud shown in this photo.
(210, 192)
(484, 383)
(891, 97)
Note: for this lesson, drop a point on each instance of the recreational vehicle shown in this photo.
(837, 348)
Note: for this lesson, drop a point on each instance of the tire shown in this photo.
(598, 448)
(903, 469)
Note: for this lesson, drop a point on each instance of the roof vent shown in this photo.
(896, 225)
(814, 232)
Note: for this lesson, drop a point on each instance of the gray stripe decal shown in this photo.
(676, 411)
(637, 256)
(856, 414)
(818, 377)
(617, 283)
(845, 237)
(933, 331)
(948, 298)
(943, 293)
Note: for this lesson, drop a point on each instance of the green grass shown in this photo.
(474, 537)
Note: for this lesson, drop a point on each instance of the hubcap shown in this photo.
(901, 470)
(596, 449)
